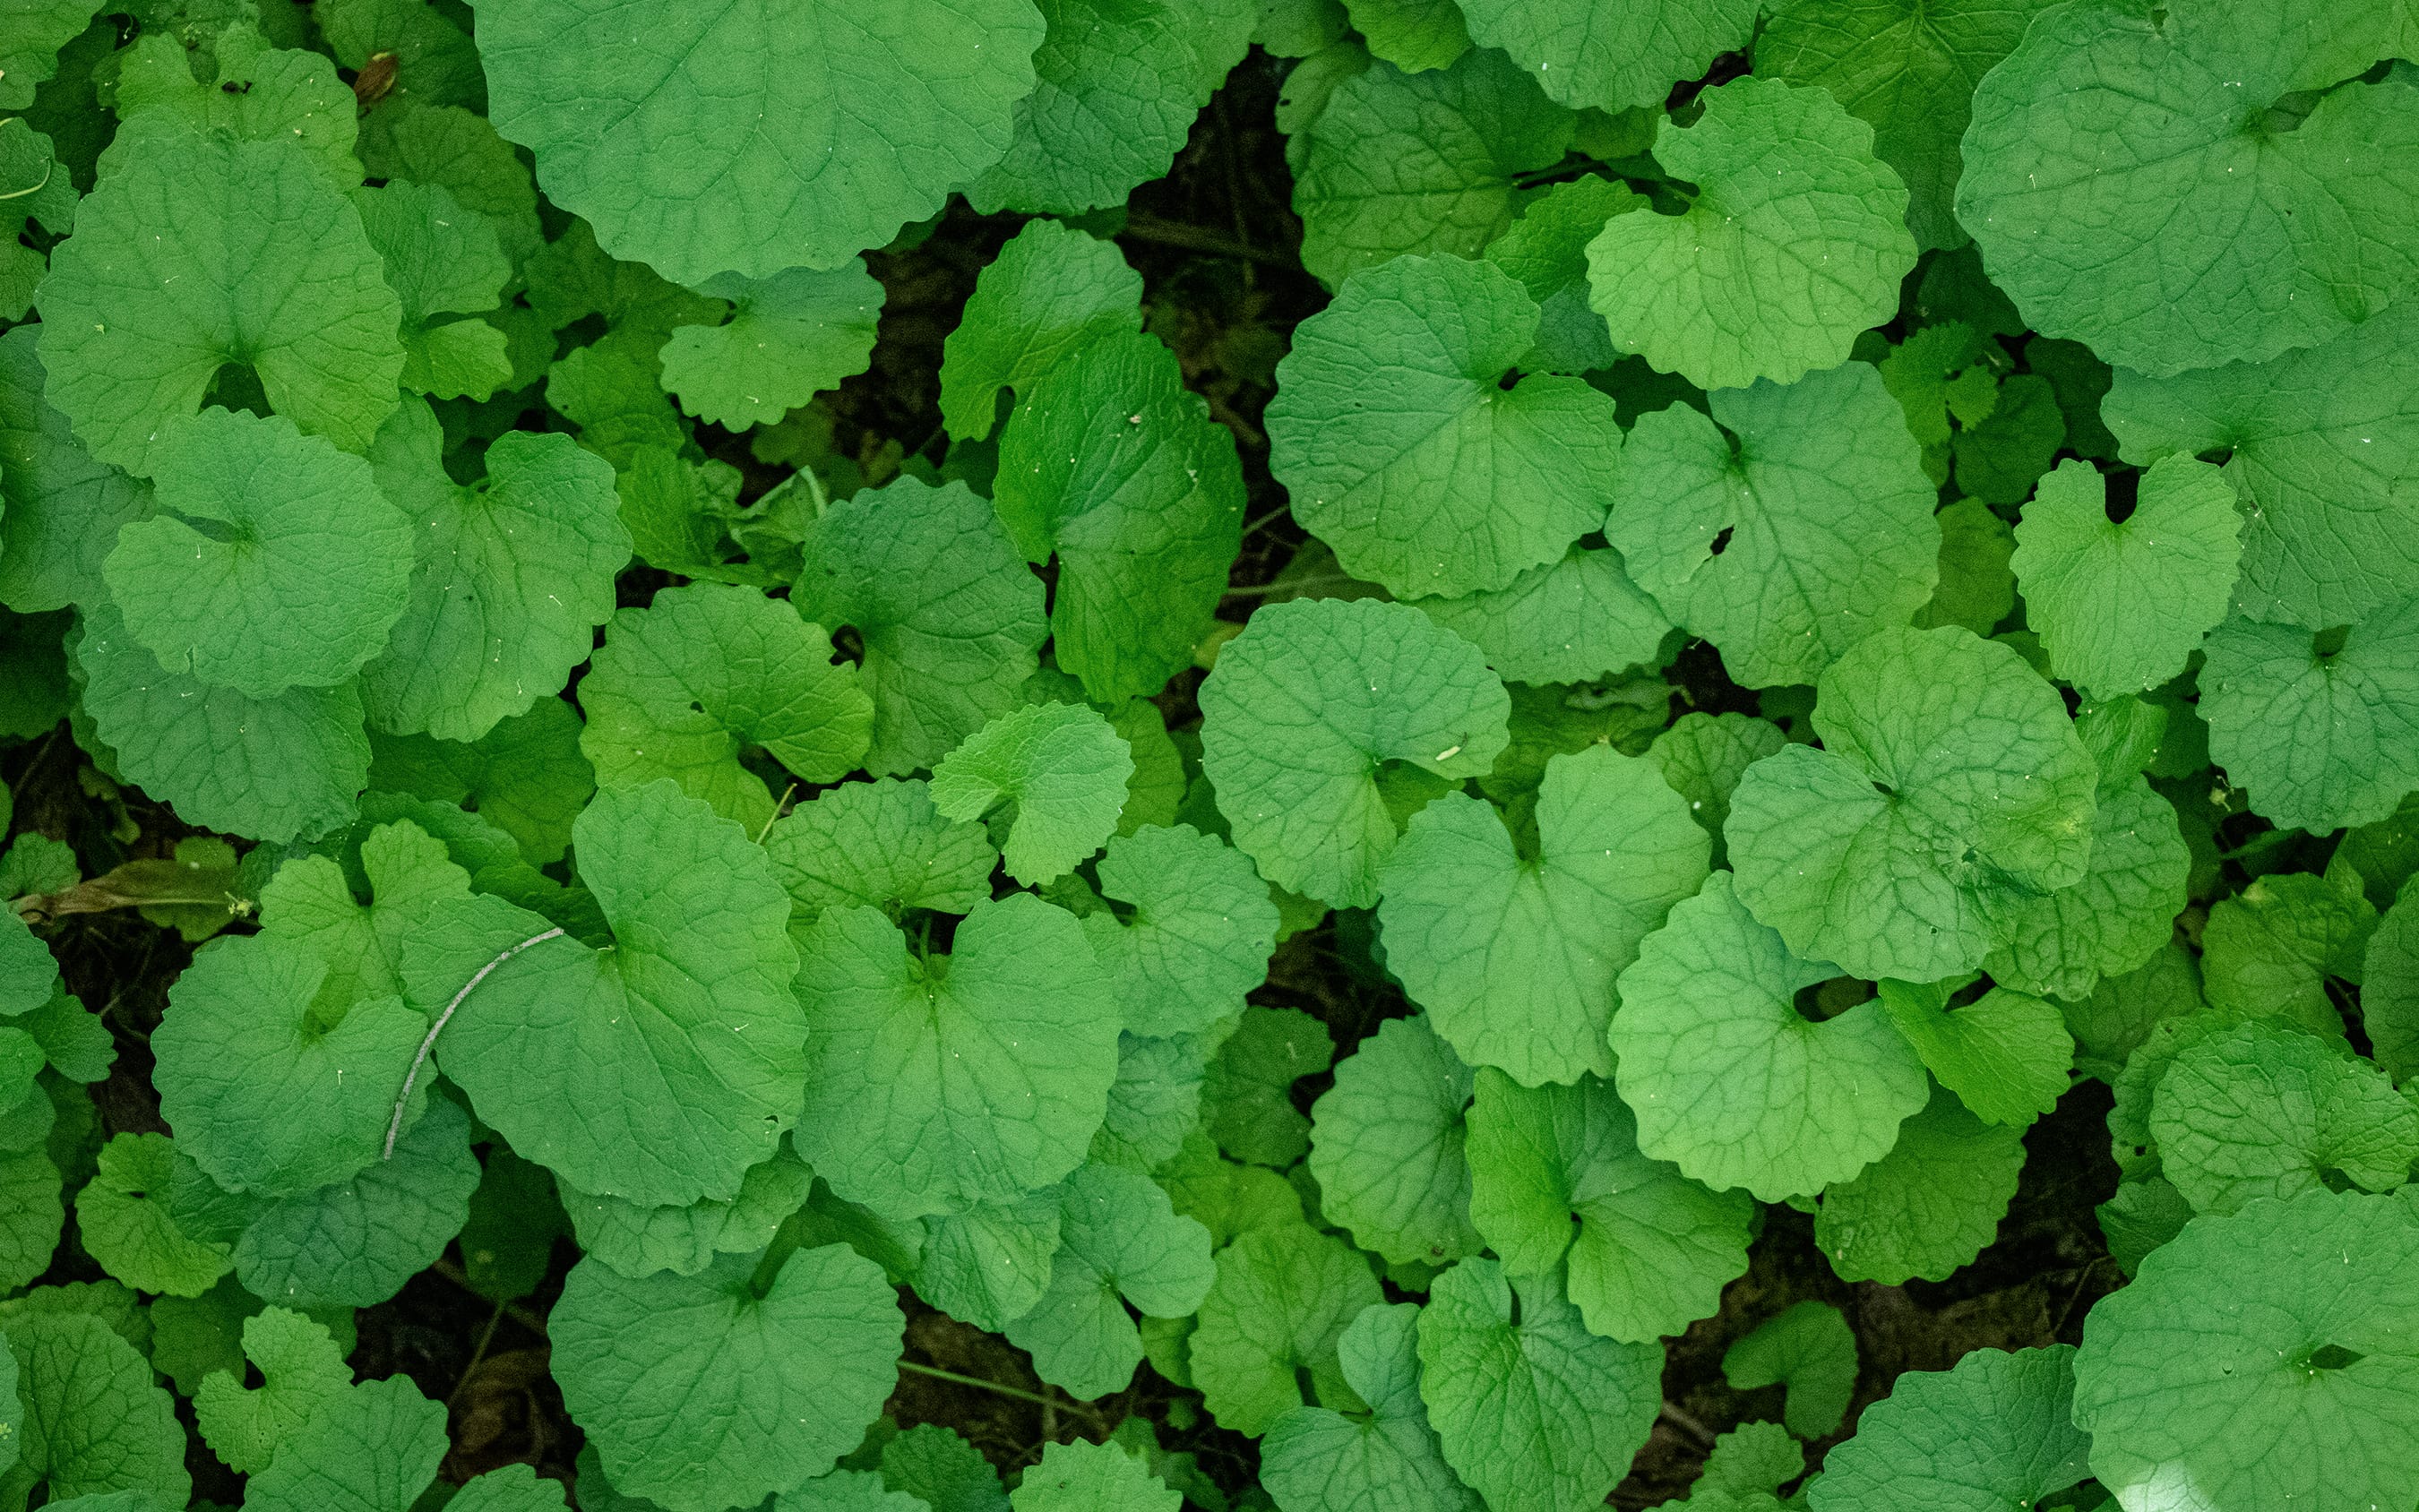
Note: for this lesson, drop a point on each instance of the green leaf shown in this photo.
(2120, 1013)
(1412, 34)
(1794, 241)
(2268, 950)
(2117, 916)
(355, 1244)
(2315, 441)
(302, 1370)
(1534, 1412)
(1386, 1146)
(1575, 620)
(1754, 1458)
(1116, 467)
(1119, 1242)
(511, 1489)
(274, 562)
(310, 901)
(1803, 531)
(146, 1216)
(708, 674)
(1557, 1171)
(942, 1470)
(2217, 1369)
(29, 975)
(2165, 190)
(1271, 1322)
(37, 30)
(2260, 1111)
(660, 1069)
(1908, 69)
(516, 1212)
(846, 1490)
(1403, 448)
(1991, 1433)
(1809, 1350)
(441, 259)
(271, 1090)
(136, 324)
(2001, 456)
(790, 337)
(2120, 604)
(990, 1265)
(1060, 769)
(1118, 86)
(1247, 1097)
(525, 775)
(700, 1391)
(1954, 790)
(1584, 54)
(1318, 1459)
(1156, 1100)
(1702, 756)
(935, 1081)
(452, 148)
(1053, 290)
(1304, 707)
(511, 577)
(371, 1448)
(609, 389)
(32, 1217)
(754, 140)
(93, 1422)
(1091, 1477)
(2006, 1055)
(879, 844)
(276, 95)
(638, 1240)
(1927, 1207)
(2389, 1000)
(1977, 590)
(948, 614)
(1709, 1009)
(64, 506)
(1515, 957)
(2324, 731)
(1199, 933)
(1421, 162)
(1546, 249)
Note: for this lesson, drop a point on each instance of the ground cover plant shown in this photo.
(1077, 755)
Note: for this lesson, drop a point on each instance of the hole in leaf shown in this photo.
(2332, 1357)
(2123, 495)
(1721, 541)
(1302, 1383)
(2330, 642)
(1508, 380)
(1885, 790)
(1830, 999)
(235, 386)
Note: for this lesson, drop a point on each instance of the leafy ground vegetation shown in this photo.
(1072, 755)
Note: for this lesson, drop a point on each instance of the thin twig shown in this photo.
(453, 1273)
(394, 1125)
(1281, 586)
(486, 1337)
(1194, 239)
(1017, 1392)
(1255, 527)
(1688, 1427)
(786, 793)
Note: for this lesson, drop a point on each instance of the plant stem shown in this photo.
(420, 1058)
(1017, 1392)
